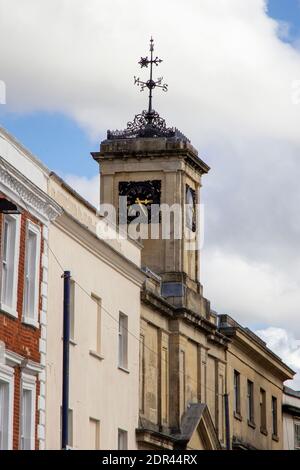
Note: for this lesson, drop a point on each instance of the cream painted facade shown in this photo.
(107, 281)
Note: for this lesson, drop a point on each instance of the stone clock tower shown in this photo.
(152, 164)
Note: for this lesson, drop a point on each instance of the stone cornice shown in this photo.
(26, 194)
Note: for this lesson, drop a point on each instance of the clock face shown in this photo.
(190, 208)
(142, 193)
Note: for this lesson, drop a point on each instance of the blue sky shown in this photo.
(65, 147)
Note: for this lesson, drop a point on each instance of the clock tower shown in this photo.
(155, 166)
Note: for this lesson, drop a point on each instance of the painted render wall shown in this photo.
(98, 388)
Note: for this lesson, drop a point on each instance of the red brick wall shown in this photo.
(18, 337)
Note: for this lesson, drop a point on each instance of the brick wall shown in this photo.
(17, 336)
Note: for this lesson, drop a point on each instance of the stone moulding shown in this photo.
(29, 196)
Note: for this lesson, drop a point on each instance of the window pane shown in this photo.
(4, 415)
(297, 436)
(123, 335)
(274, 416)
(122, 440)
(70, 426)
(250, 401)
(95, 325)
(94, 434)
(30, 275)
(236, 403)
(27, 419)
(8, 260)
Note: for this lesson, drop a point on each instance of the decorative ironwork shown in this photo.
(148, 123)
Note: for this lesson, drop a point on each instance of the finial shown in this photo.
(150, 84)
(148, 123)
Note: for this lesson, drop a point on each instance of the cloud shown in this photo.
(287, 347)
(86, 187)
(230, 90)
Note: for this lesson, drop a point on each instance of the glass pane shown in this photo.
(26, 438)
(8, 260)
(30, 275)
(4, 415)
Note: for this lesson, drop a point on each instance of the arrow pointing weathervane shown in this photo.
(150, 84)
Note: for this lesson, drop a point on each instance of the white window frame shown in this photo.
(7, 376)
(98, 302)
(30, 226)
(29, 383)
(123, 361)
(12, 310)
(122, 435)
(97, 441)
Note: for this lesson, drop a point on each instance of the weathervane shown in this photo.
(150, 84)
(148, 123)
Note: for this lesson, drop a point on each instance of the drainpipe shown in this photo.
(66, 344)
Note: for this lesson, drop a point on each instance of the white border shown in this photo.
(30, 226)
(28, 382)
(7, 375)
(5, 308)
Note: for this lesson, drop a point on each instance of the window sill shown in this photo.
(8, 311)
(275, 438)
(237, 416)
(264, 431)
(124, 369)
(96, 355)
(251, 424)
(29, 322)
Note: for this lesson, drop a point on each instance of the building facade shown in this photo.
(26, 211)
(190, 357)
(106, 280)
(291, 419)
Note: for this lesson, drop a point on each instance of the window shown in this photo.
(250, 402)
(274, 417)
(72, 310)
(32, 262)
(28, 410)
(297, 435)
(94, 434)
(263, 411)
(6, 407)
(95, 325)
(70, 427)
(123, 341)
(182, 383)
(10, 260)
(122, 440)
(237, 393)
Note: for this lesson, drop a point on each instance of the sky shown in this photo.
(233, 69)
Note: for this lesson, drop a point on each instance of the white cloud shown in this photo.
(287, 347)
(88, 188)
(230, 90)
(252, 292)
